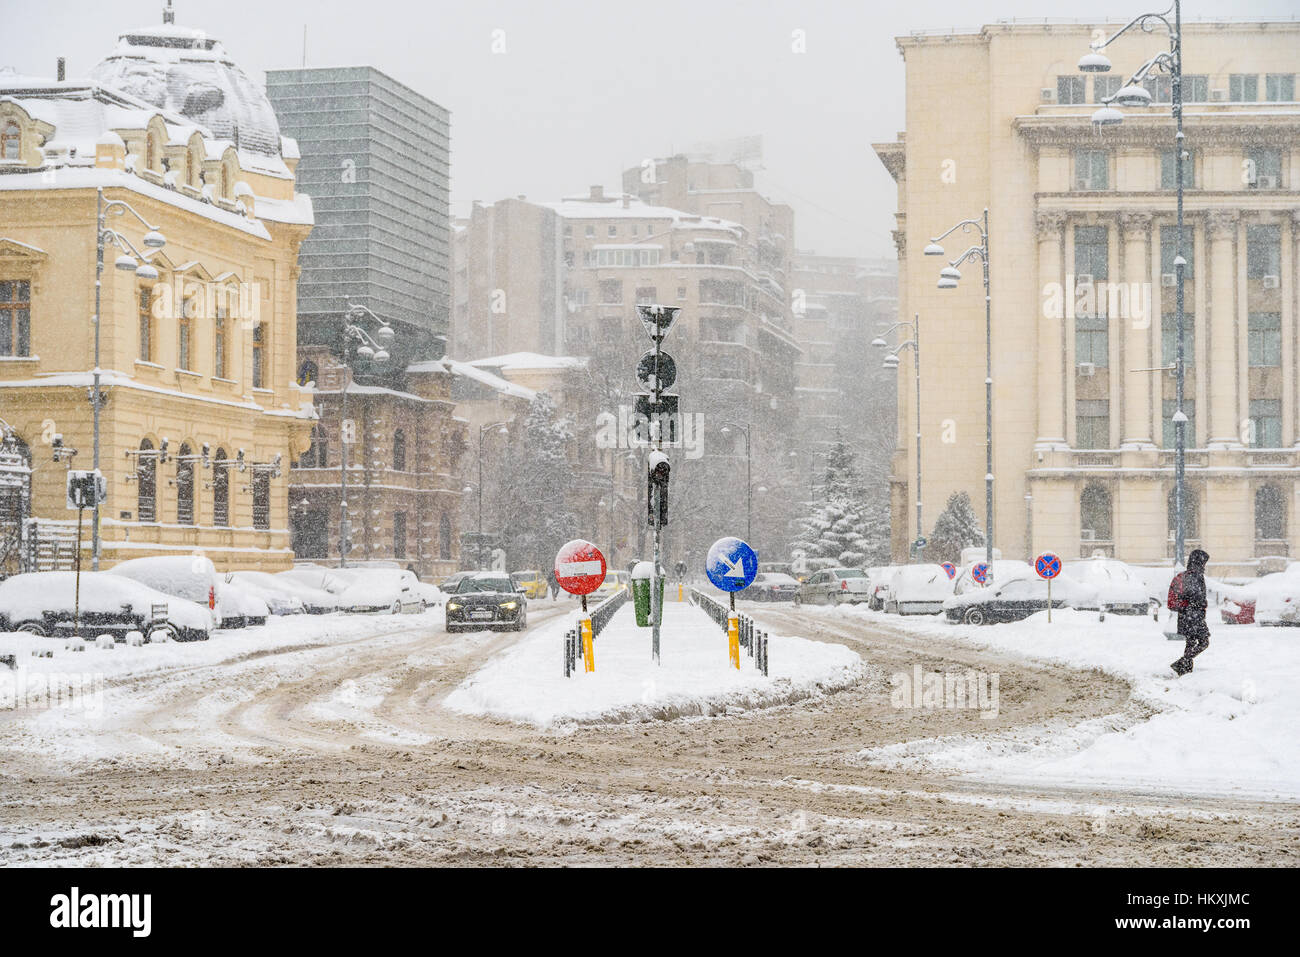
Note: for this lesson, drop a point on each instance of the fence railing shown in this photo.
(752, 639)
(599, 619)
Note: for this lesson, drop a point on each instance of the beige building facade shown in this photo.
(1082, 291)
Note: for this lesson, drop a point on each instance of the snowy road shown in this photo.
(334, 750)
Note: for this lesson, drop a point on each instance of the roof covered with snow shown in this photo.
(627, 206)
(530, 360)
(470, 371)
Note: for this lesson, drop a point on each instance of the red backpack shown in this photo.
(1176, 601)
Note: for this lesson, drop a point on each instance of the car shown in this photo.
(615, 580)
(1120, 588)
(487, 600)
(194, 578)
(283, 594)
(1003, 570)
(377, 591)
(878, 577)
(42, 603)
(833, 586)
(1272, 599)
(1016, 600)
(918, 590)
(237, 607)
(776, 568)
(772, 586)
(533, 582)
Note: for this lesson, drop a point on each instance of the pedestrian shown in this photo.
(552, 585)
(1187, 597)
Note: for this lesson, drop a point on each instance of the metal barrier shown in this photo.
(751, 639)
(599, 619)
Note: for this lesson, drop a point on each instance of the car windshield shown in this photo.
(471, 585)
(849, 573)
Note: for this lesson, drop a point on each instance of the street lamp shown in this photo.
(1134, 94)
(891, 362)
(949, 277)
(482, 430)
(368, 347)
(131, 260)
(749, 479)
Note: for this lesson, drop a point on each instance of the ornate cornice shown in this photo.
(1135, 221)
(1156, 132)
(900, 241)
(1048, 223)
(1221, 222)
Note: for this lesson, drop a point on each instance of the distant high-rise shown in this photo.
(376, 162)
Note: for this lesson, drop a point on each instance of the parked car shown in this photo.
(1120, 588)
(918, 590)
(194, 578)
(616, 579)
(532, 581)
(878, 582)
(1014, 600)
(1003, 570)
(331, 580)
(430, 594)
(281, 593)
(238, 607)
(833, 586)
(42, 603)
(487, 600)
(1277, 600)
(772, 586)
(777, 568)
(371, 591)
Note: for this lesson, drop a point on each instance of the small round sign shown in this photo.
(1047, 565)
(579, 567)
(980, 572)
(731, 564)
(950, 568)
(654, 374)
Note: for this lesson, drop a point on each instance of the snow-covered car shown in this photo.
(332, 580)
(285, 594)
(237, 607)
(1003, 570)
(194, 578)
(487, 600)
(1120, 588)
(1277, 602)
(42, 603)
(918, 590)
(772, 586)
(1016, 600)
(430, 594)
(381, 591)
(878, 578)
(834, 586)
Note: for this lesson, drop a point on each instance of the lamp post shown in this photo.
(372, 348)
(749, 479)
(482, 430)
(1134, 94)
(891, 362)
(131, 260)
(948, 278)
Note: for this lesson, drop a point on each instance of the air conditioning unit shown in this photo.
(1271, 282)
(1168, 279)
(1218, 96)
(1266, 182)
(1087, 368)
(1048, 94)
(1087, 535)
(1083, 279)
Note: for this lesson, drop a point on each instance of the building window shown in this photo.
(15, 317)
(1167, 407)
(1104, 87)
(184, 329)
(220, 490)
(1264, 338)
(1169, 172)
(225, 181)
(1091, 255)
(399, 534)
(1196, 89)
(681, 293)
(11, 142)
(1243, 87)
(1095, 514)
(261, 499)
(219, 332)
(1092, 340)
(1091, 169)
(1169, 339)
(146, 481)
(259, 355)
(1092, 424)
(1069, 90)
(444, 538)
(1266, 423)
(399, 451)
(646, 295)
(591, 232)
(1191, 515)
(612, 231)
(611, 291)
(1279, 87)
(150, 152)
(146, 324)
(1264, 168)
(1270, 514)
(185, 486)
(1169, 251)
(1263, 251)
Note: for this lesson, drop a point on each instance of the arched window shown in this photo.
(1191, 516)
(150, 151)
(262, 499)
(220, 490)
(15, 499)
(185, 486)
(195, 166)
(225, 181)
(1270, 514)
(1095, 513)
(146, 481)
(145, 313)
(11, 141)
(444, 537)
(399, 451)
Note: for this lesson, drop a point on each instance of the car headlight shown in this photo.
(453, 605)
(510, 604)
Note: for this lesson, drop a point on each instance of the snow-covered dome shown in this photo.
(185, 71)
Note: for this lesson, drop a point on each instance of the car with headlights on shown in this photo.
(487, 600)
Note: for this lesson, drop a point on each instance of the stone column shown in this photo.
(1220, 231)
(1049, 226)
(1135, 387)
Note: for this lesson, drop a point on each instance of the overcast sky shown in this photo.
(585, 89)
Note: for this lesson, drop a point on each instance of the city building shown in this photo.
(194, 351)
(1082, 279)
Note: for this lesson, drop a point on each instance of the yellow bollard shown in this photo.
(733, 640)
(588, 649)
(679, 592)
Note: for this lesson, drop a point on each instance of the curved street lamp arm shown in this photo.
(964, 226)
(117, 205)
(1144, 21)
(975, 252)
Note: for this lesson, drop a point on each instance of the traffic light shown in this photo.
(657, 489)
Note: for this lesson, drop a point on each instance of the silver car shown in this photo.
(834, 586)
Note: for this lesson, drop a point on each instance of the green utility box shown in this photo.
(642, 573)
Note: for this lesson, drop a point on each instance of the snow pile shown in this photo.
(527, 683)
(1227, 728)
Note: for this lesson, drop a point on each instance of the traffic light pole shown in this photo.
(656, 607)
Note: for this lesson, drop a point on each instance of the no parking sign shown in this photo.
(1048, 566)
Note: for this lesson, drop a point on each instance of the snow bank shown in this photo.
(526, 683)
(1226, 729)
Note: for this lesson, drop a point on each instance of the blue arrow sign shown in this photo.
(731, 564)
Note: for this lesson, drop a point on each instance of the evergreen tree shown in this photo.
(535, 511)
(955, 528)
(846, 527)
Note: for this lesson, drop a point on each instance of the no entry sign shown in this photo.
(579, 567)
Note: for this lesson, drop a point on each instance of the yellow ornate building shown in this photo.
(200, 412)
(1082, 281)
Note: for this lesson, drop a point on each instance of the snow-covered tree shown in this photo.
(846, 527)
(535, 512)
(955, 528)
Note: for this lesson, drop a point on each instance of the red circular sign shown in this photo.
(1047, 565)
(579, 567)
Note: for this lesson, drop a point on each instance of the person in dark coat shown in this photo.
(1191, 616)
(552, 585)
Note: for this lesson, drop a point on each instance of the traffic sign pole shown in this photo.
(1048, 566)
